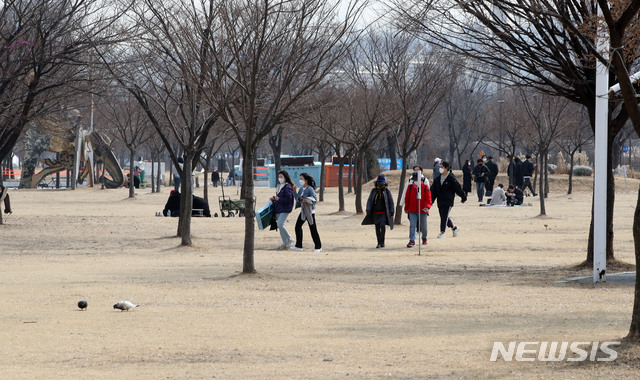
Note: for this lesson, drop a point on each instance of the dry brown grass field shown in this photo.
(351, 311)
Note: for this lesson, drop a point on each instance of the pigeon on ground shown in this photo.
(124, 305)
(82, 304)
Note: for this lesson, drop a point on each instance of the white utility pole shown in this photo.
(601, 158)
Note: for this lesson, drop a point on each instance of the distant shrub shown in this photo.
(552, 168)
(582, 171)
(581, 158)
(562, 165)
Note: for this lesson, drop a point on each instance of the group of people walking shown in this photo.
(306, 200)
(417, 198)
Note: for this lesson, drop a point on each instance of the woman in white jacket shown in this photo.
(306, 200)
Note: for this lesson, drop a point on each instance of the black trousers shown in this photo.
(314, 232)
(527, 183)
(444, 218)
(488, 187)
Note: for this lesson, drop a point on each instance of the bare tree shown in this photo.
(467, 110)
(275, 141)
(548, 118)
(44, 62)
(414, 79)
(271, 54)
(130, 124)
(548, 45)
(324, 120)
(156, 148)
(574, 138)
(166, 65)
(217, 141)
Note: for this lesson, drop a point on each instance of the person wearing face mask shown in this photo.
(481, 174)
(436, 166)
(283, 205)
(306, 200)
(417, 209)
(416, 169)
(444, 191)
(380, 209)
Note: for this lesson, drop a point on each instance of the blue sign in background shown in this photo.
(385, 163)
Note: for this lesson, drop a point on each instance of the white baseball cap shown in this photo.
(437, 159)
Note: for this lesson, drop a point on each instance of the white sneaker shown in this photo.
(290, 243)
(317, 250)
(295, 249)
(456, 231)
(441, 236)
(282, 246)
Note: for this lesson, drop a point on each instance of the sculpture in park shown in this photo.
(58, 135)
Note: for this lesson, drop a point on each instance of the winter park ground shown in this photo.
(351, 311)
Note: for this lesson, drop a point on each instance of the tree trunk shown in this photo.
(634, 329)
(186, 199)
(391, 146)
(160, 173)
(322, 155)
(171, 183)
(340, 184)
(397, 220)
(248, 265)
(546, 174)
(616, 147)
(541, 184)
(360, 168)
(610, 204)
(132, 189)
(350, 177)
(537, 171)
(12, 174)
(510, 171)
(275, 141)
(571, 161)
(611, 197)
(206, 178)
(153, 174)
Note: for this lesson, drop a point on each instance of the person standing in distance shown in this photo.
(306, 200)
(527, 171)
(466, 177)
(436, 168)
(493, 173)
(444, 191)
(481, 174)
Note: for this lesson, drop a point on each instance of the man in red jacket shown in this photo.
(417, 209)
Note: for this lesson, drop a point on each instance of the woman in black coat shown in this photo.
(466, 177)
(444, 191)
(380, 209)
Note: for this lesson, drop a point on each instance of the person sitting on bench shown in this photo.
(173, 205)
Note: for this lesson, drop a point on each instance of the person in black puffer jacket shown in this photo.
(443, 191)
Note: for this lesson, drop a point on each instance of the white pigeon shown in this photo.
(124, 305)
